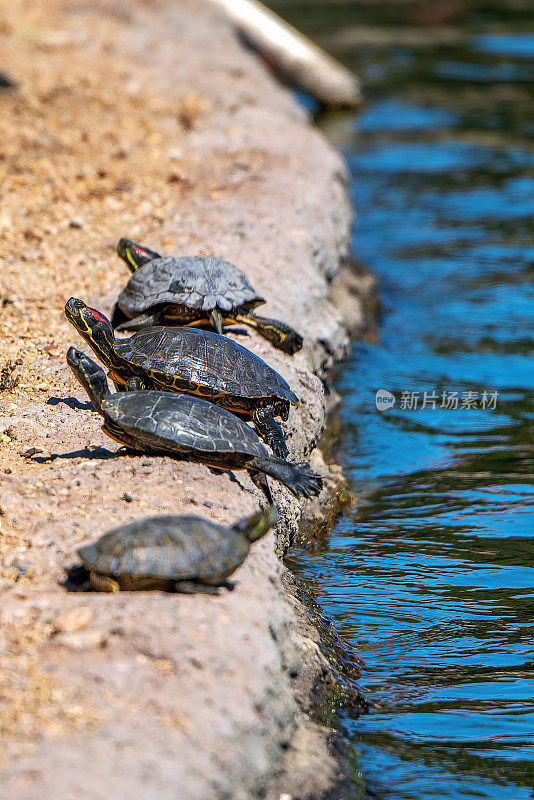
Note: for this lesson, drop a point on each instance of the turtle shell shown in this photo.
(168, 547)
(205, 359)
(184, 425)
(200, 282)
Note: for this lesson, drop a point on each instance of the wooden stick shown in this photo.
(297, 60)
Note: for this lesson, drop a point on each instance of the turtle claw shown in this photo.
(217, 320)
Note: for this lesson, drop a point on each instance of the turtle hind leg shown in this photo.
(279, 334)
(142, 321)
(269, 429)
(103, 583)
(300, 479)
(192, 587)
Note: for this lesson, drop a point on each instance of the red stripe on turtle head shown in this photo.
(141, 252)
(97, 315)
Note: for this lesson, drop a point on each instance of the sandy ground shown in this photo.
(149, 120)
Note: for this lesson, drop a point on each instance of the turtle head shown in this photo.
(93, 326)
(135, 255)
(90, 375)
(259, 524)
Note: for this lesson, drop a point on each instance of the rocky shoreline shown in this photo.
(172, 133)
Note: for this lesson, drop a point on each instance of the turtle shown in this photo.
(171, 552)
(187, 428)
(192, 290)
(191, 361)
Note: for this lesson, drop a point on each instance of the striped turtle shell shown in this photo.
(200, 282)
(193, 356)
(168, 547)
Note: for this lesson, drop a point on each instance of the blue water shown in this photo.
(431, 578)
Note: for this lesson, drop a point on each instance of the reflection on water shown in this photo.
(432, 578)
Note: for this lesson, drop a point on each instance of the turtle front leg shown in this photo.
(192, 587)
(142, 321)
(103, 583)
(279, 334)
(269, 430)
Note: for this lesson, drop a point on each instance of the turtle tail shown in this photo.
(300, 479)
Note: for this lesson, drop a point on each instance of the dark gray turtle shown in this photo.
(180, 553)
(192, 290)
(191, 361)
(187, 428)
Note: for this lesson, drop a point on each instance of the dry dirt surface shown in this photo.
(149, 120)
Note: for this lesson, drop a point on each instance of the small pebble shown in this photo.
(82, 640)
(32, 451)
(175, 154)
(208, 504)
(76, 222)
(124, 186)
(73, 620)
(6, 81)
(127, 497)
(19, 569)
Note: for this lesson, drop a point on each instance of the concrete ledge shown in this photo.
(151, 121)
